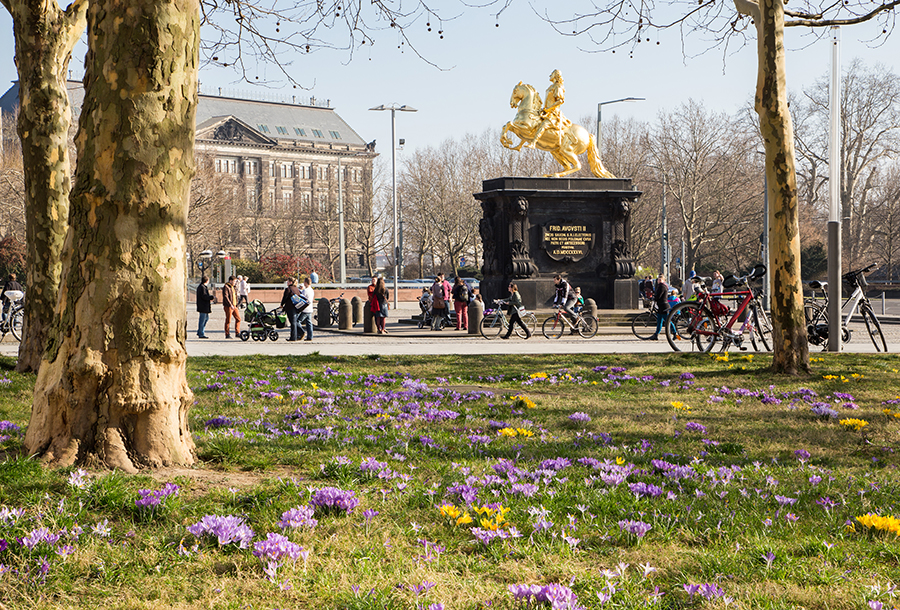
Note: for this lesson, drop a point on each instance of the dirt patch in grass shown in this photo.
(205, 479)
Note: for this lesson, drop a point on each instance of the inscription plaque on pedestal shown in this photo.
(534, 228)
(568, 242)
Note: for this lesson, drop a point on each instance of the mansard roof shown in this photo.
(273, 121)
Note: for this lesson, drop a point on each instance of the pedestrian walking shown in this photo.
(229, 302)
(243, 290)
(661, 296)
(290, 309)
(381, 305)
(440, 304)
(305, 318)
(515, 303)
(461, 296)
(204, 306)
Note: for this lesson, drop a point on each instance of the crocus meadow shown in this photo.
(612, 483)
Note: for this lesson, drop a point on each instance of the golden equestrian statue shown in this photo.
(543, 126)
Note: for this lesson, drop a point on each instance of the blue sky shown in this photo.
(481, 63)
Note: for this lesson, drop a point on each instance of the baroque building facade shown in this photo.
(272, 178)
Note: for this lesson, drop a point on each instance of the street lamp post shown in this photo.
(394, 108)
(599, 115)
(341, 244)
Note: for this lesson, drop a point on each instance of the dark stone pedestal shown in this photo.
(534, 228)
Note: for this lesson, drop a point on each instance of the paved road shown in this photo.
(408, 339)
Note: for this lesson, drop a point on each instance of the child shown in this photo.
(579, 301)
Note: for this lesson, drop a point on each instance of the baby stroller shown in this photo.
(262, 323)
(426, 318)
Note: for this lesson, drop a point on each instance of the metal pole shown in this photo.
(341, 244)
(599, 150)
(394, 198)
(664, 251)
(683, 263)
(834, 204)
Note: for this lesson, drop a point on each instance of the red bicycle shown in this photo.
(708, 320)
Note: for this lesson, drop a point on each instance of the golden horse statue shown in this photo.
(564, 143)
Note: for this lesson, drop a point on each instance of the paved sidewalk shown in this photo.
(409, 339)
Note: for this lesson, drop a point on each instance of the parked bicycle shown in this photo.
(495, 321)
(12, 316)
(585, 324)
(706, 321)
(334, 308)
(815, 311)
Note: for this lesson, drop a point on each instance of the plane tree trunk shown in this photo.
(111, 390)
(791, 349)
(44, 37)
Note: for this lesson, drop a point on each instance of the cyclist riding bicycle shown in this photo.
(565, 296)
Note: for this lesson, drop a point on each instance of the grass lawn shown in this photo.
(589, 481)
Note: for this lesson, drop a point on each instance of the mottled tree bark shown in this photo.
(111, 390)
(44, 38)
(791, 348)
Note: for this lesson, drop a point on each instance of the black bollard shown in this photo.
(476, 313)
(323, 311)
(356, 305)
(345, 315)
(368, 322)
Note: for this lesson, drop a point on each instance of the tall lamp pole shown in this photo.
(394, 108)
(834, 203)
(599, 115)
(342, 246)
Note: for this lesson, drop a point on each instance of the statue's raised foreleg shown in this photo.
(507, 141)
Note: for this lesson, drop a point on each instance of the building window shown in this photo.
(300, 132)
(287, 198)
(308, 234)
(271, 169)
(251, 199)
(320, 173)
(281, 130)
(271, 200)
(318, 133)
(334, 135)
(323, 202)
(305, 199)
(263, 128)
(250, 168)
(287, 170)
(232, 166)
(355, 201)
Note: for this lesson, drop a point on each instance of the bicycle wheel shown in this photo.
(491, 326)
(706, 332)
(587, 326)
(814, 312)
(872, 325)
(530, 322)
(643, 325)
(762, 330)
(679, 332)
(16, 324)
(553, 328)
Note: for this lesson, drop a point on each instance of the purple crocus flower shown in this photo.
(226, 529)
(332, 498)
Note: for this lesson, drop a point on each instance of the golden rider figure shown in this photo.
(551, 114)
